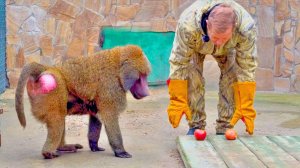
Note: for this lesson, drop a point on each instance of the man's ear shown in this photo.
(208, 24)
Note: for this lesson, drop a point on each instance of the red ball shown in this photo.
(199, 134)
(230, 134)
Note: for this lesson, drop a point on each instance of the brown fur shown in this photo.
(102, 78)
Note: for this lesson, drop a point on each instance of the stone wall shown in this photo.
(278, 23)
(51, 31)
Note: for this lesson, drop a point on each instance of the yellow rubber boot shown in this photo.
(244, 98)
(178, 102)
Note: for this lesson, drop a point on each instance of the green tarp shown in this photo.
(156, 45)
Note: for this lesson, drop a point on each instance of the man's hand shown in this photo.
(178, 101)
(244, 110)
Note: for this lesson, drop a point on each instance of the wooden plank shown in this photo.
(268, 152)
(234, 153)
(290, 144)
(197, 154)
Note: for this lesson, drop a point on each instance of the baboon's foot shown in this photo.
(70, 148)
(123, 154)
(94, 147)
(50, 155)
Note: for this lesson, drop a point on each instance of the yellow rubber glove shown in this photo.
(178, 102)
(244, 98)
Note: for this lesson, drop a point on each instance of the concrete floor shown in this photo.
(147, 134)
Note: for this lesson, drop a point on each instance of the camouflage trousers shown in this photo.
(196, 91)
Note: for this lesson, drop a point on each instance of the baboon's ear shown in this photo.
(128, 74)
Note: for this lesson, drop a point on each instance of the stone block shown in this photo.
(297, 37)
(93, 5)
(289, 40)
(13, 77)
(282, 84)
(141, 26)
(297, 57)
(59, 53)
(76, 48)
(64, 10)
(20, 58)
(171, 23)
(93, 34)
(152, 9)
(123, 2)
(253, 2)
(45, 4)
(46, 45)
(106, 7)
(11, 27)
(244, 4)
(30, 25)
(296, 83)
(124, 23)
(287, 69)
(40, 15)
(11, 52)
(76, 2)
(267, 2)
(282, 10)
(265, 23)
(297, 53)
(265, 49)
(295, 5)
(252, 10)
(30, 42)
(47, 60)
(183, 4)
(125, 13)
(277, 61)
(264, 79)
(63, 33)
(50, 26)
(158, 25)
(279, 28)
(13, 39)
(15, 16)
(287, 25)
(33, 57)
(288, 55)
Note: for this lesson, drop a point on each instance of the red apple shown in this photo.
(200, 134)
(230, 134)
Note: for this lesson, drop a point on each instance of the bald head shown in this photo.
(220, 24)
(221, 18)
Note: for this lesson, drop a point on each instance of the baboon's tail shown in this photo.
(32, 69)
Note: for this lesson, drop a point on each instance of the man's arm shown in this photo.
(181, 52)
(246, 56)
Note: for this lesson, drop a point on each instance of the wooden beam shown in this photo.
(290, 144)
(198, 153)
(268, 152)
(234, 152)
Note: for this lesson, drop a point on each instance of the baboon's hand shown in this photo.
(123, 154)
(50, 155)
(70, 148)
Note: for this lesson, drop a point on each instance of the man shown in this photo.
(225, 30)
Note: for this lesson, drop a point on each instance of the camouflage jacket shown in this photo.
(188, 41)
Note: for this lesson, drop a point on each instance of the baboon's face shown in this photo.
(140, 87)
(134, 71)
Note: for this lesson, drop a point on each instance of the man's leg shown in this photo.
(196, 92)
(226, 99)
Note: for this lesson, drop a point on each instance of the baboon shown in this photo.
(95, 84)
